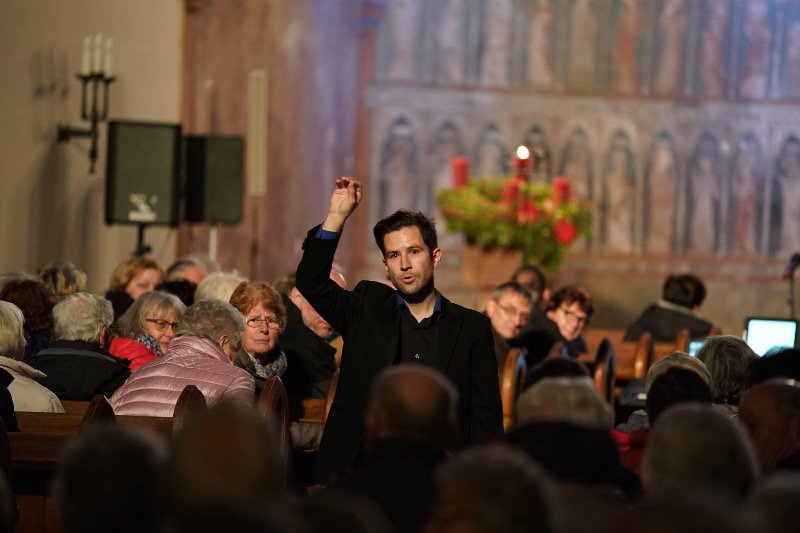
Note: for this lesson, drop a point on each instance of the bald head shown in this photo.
(412, 402)
(771, 413)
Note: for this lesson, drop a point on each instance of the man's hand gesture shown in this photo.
(344, 200)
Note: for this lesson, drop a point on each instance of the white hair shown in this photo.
(567, 399)
(218, 286)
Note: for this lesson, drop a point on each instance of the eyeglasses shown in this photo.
(575, 317)
(510, 311)
(270, 322)
(161, 324)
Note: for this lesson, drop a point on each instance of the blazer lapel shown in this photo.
(449, 330)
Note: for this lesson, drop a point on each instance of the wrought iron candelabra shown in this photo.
(95, 77)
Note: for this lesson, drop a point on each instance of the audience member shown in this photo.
(491, 488)
(110, 480)
(130, 279)
(673, 386)
(639, 418)
(218, 286)
(410, 422)
(563, 320)
(265, 318)
(508, 309)
(63, 279)
(191, 268)
(340, 512)
(573, 400)
(202, 354)
(147, 327)
(11, 276)
(701, 515)
(311, 358)
(681, 297)
(26, 393)
(558, 367)
(36, 302)
(7, 412)
(77, 365)
(773, 504)
(727, 359)
(771, 413)
(181, 288)
(534, 278)
(225, 456)
(782, 363)
(695, 450)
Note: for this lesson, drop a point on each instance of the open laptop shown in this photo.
(763, 333)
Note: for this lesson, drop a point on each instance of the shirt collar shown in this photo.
(437, 306)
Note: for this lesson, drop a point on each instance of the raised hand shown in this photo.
(344, 200)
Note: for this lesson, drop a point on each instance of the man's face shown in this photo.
(774, 437)
(509, 313)
(570, 319)
(311, 318)
(409, 262)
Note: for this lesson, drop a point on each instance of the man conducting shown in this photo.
(382, 327)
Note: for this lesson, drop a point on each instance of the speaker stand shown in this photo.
(141, 247)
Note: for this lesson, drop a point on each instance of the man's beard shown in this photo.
(420, 295)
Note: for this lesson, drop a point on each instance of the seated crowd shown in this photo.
(714, 447)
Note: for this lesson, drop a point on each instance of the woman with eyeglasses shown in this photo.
(264, 317)
(145, 330)
(563, 321)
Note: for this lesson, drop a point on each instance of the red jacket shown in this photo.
(135, 352)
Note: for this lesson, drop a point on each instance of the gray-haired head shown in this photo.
(565, 399)
(727, 358)
(218, 286)
(80, 317)
(211, 319)
(695, 449)
(12, 334)
(679, 359)
(156, 303)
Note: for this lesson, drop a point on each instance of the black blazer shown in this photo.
(368, 319)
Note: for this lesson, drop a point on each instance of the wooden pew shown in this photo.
(511, 380)
(632, 359)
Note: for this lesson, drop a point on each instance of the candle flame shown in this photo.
(523, 153)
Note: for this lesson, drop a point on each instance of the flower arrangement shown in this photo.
(542, 220)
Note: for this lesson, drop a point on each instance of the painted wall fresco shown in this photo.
(677, 119)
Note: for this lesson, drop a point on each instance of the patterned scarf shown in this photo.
(149, 342)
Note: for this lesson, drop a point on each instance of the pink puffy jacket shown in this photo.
(153, 390)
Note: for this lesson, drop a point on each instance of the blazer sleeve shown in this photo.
(333, 303)
(487, 410)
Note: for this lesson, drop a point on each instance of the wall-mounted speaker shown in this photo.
(214, 178)
(143, 168)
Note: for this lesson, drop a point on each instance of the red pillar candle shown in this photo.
(511, 191)
(522, 164)
(561, 189)
(460, 171)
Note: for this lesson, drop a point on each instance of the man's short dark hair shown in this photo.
(685, 290)
(513, 287)
(540, 284)
(404, 219)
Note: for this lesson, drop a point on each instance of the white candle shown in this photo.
(86, 57)
(108, 58)
(97, 57)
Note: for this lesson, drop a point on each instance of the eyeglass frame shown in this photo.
(510, 311)
(572, 315)
(162, 324)
(270, 322)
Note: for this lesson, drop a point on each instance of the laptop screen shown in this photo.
(695, 345)
(762, 334)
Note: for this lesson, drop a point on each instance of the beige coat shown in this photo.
(28, 395)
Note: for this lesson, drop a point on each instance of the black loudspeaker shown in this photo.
(143, 168)
(214, 178)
